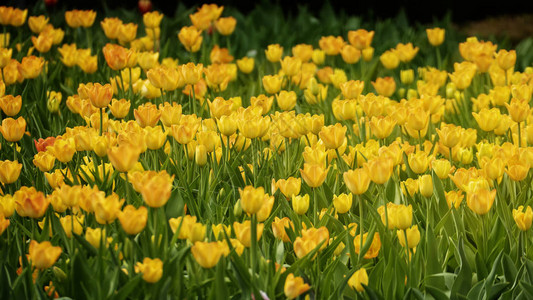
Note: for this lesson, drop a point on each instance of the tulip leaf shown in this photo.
(463, 281)
(128, 288)
(438, 294)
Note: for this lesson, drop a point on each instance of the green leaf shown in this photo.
(128, 288)
(463, 282)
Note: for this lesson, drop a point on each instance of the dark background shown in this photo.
(422, 11)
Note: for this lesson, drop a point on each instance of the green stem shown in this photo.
(361, 231)
(253, 250)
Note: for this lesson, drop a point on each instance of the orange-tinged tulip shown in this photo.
(313, 174)
(523, 218)
(480, 201)
(4, 223)
(43, 255)
(12, 130)
(147, 115)
(100, 95)
(9, 171)
(152, 269)
(133, 220)
(331, 45)
(375, 246)
(30, 202)
(294, 286)
(31, 66)
(111, 27)
(119, 108)
(157, 189)
(385, 86)
(360, 38)
(116, 56)
(206, 254)
(357, 180)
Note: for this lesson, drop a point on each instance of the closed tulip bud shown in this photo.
(274, 52)
(425, 184)
(523, 218)
(94, 236)
(133, 220)
(9, 171)
(342, 203)
(43, 255)
(286, 100)
(435, 36)
(368, 54)
(200, 155)
(31, 66)
(294, 286)
(227, 125)
(480, 201)
(385, 86)
(300, 204)
(206, 254)
(407, 76)
(152, 269)
(243, 232)
(252, 199)
(402, 216)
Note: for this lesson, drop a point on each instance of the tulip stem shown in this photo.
(408, 259)
(101, 121)
(519, 135)
(253, 250)
(315, 209)
(361, 231)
